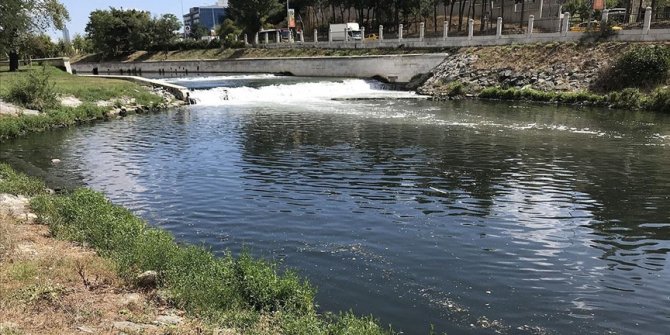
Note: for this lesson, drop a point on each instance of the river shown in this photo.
(474, 217)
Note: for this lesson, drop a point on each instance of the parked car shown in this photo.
(595, 26)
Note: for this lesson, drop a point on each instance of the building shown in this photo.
(206, 16)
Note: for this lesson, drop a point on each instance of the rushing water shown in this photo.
(477, 218)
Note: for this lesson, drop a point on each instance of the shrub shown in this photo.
(640, 66)
(17, 183)
(455, 89)
(659, 100)
(34, 91)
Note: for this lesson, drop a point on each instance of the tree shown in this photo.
(252, 15)
(198, 31)
(115, 31)
(82, 44)
(164, 30)
(18, 19)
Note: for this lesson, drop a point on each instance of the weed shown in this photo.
(23, 271)
(17, 183)
(34, 91)
(42, 293)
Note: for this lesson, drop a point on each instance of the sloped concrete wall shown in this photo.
(394, 68)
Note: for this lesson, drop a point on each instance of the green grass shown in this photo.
(13, 182)
(86, 89)
(241, 292)
(630, 98)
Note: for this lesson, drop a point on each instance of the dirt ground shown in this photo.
(48, 286)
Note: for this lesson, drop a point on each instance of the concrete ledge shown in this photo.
(179, 92)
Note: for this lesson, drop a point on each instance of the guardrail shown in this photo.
(530, 36)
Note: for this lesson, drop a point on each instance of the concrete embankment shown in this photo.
(393, 68)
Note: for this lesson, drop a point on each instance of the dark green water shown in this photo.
(476, 217)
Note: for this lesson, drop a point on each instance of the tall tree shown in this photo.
(164, 30)
(21, 18)
(115, 31)
(252, 15)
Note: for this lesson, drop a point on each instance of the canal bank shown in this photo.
(607, 74)
(43, 98)
(119, 275)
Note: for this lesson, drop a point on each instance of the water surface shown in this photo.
(476, 217)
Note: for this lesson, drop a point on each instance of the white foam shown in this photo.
(294, 93)
(219, 78)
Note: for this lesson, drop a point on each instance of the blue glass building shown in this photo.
(207, 16)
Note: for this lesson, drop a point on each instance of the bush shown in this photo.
(34, 91)
(640, 67)
(659, 100)
(17, 183)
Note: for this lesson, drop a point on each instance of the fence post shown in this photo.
(362, 34)
(381, 32)
(316, 36)
(400, 32)
(278, 34)
(471, 28)
(330, 35)
(302, 36)
(256, 38)
(246, 40)
(267, 38)
(531, 20)
(445, 33)
(422, 30)
(647, 21)
(605, 18)
(499, 27)
(566, 23)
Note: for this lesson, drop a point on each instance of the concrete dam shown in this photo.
(392, 68)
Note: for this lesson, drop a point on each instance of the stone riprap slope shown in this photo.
(556, 67)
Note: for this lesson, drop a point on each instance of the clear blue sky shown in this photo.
(80, 10)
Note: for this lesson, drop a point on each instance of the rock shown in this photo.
(85, 329)
(131, 327)
(104, 103)
(70, 101)
(131, 299)
(147, 279)
(9, 109)
(55, 161)
(14, 205)
(168, 320)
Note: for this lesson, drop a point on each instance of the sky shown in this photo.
(80, 10)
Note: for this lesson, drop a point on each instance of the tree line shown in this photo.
(115, 31)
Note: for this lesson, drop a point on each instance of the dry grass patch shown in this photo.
(49, 286)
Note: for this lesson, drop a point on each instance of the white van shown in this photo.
(346, 32)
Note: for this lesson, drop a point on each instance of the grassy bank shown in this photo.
(250, 295)
(607, 74)
(249, 53)
(53, 287)
(97, 96)
(657, 100)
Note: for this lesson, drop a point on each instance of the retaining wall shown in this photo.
(394, 68)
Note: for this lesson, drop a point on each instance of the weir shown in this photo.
(392, 68)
